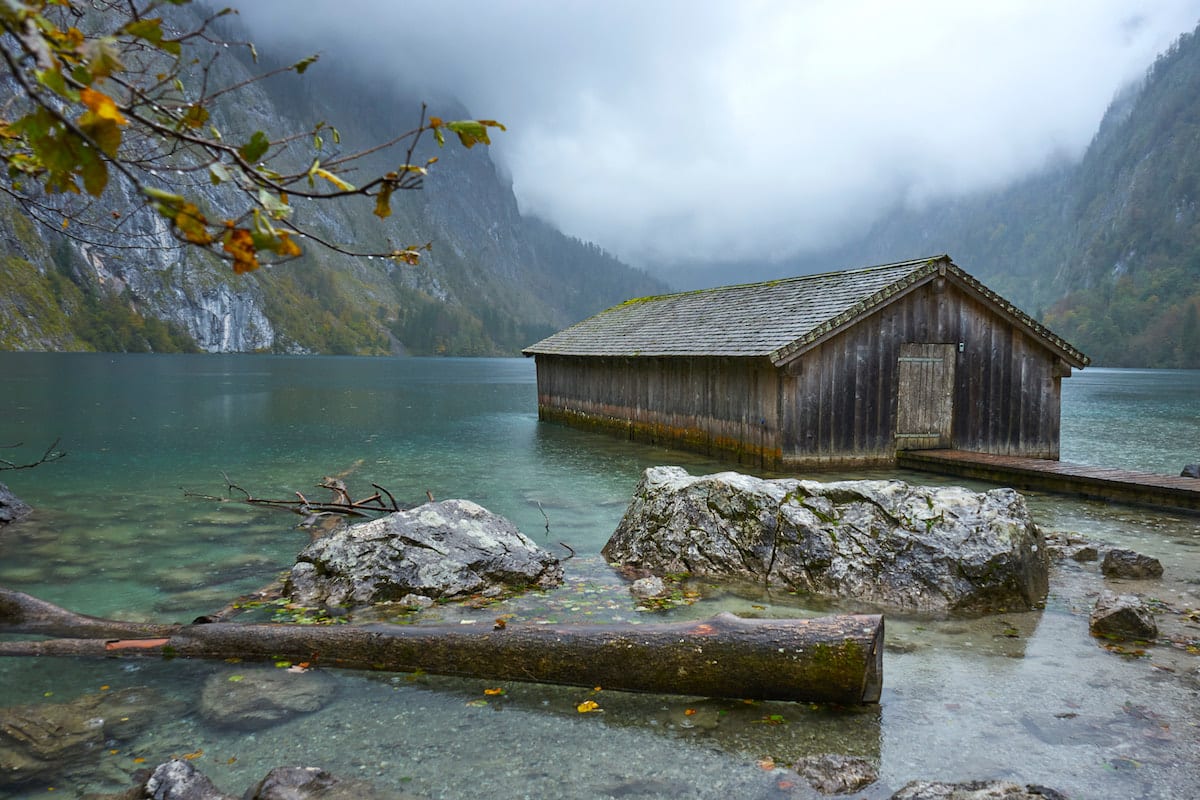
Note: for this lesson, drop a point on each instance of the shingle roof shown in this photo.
(773, 319)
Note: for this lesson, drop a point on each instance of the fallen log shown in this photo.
(837, 659)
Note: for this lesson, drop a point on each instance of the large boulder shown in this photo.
(882, 542)
(454, 548)
(12, 508)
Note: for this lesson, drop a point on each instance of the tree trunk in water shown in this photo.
(835, 659)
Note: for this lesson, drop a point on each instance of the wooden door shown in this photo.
(925, 396)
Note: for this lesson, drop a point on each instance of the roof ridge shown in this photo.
(777, 281)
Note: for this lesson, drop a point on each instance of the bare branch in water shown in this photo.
(342, 503)
(52, 454)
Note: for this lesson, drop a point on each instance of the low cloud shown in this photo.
(687, 131)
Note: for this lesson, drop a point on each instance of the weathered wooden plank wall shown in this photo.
(838, 401)
(725, 407)
(835, 404)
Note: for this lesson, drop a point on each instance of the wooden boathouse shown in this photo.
(837, 369)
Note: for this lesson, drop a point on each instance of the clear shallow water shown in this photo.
(114, 535)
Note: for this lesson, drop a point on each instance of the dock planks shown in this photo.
(1100, 483)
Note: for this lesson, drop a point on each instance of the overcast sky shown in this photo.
(672, 131)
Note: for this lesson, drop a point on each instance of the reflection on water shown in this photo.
(1030, 697)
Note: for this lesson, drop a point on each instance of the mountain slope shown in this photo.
(493, 282)
(1105, 251)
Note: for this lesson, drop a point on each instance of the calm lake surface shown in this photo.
(1028, 697)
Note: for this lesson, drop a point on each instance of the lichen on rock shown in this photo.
(886, 543)
(453, 548)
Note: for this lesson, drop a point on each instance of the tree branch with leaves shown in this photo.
(119, 86)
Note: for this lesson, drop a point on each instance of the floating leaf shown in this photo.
(588, 706)
(496, 691)
(236, 678)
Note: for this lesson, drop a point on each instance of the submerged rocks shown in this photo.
(311, 783)
(831, 773)
(648, 588)
(881, 542)
(180, 780)
(453, 548)
(975, 790)
(45, 739)
(1124, 616)
(258, 698)
(1130, 564)
(12, 508)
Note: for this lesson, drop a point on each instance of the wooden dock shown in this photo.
(1098, 483)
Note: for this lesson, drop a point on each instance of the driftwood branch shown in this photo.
(52, 454)
(832, 659)
(341, 504)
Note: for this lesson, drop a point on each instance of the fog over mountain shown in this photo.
(679, 132)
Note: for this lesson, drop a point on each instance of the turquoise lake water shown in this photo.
(115, 535)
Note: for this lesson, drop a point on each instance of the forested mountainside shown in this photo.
(1105, 251)
(493, 282)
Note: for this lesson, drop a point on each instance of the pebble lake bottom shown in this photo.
(1028, 697)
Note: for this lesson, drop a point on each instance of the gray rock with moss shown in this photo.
(1123, 616)
(449, 549)
(12, 508)
(884, 543)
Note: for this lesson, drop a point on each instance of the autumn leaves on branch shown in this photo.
(113, 86)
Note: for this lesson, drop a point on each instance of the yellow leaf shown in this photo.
(101, 105)
(239, 244)
(587, 706)
(493, 691)
(334, 179)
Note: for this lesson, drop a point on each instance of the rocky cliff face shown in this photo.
(494, 282)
